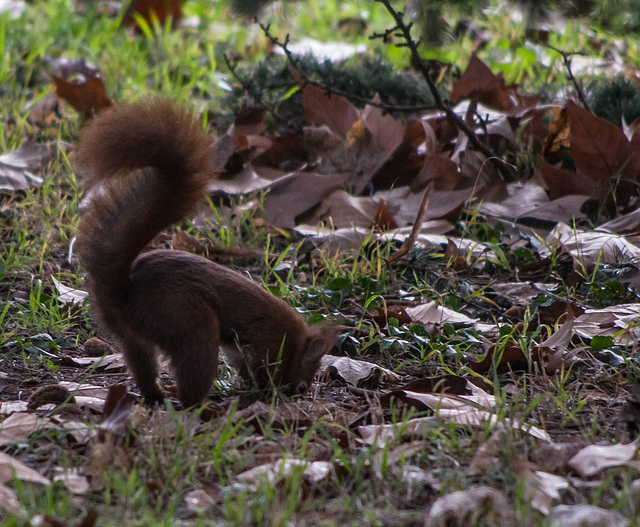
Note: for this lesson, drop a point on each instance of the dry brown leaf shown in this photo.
(88, 98)
(386, 131)
(355, 372)
(73, 481)
(589, 247)
(561, 182)
(342, 210)
(472, 410)
(478, 506)
(507, 357)
(11, 468)
(542, 488)
(114, 362)
(19, 426)
(598, 148)
(291, 196)
(314, 471)
(320, 108)
(9, 500)
(249, 121)
(594, 458)
(15, 166)
(478, 82)
(432, 317)
(387, 433)
(441, 170)
(11, 407)
(584, 515)
(529, 200)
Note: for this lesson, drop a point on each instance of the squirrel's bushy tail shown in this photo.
(154, 161)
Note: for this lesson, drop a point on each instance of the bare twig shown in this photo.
(566, 58)
(415, 231)
(362, 101)
(459, 124)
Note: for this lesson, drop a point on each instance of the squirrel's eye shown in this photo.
(302, 387)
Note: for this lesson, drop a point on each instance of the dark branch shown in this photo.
(457, 122)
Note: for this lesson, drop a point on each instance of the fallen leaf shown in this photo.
(19, 426)
(618, 321)
(314, 471)
(561, 182)
(11, 468)
(291, 196)
(198, 500)
(584, 515)
(477, 81)
(598, 148)
(69, 294)
(594, 458)
(15, 166)
(9, 500)
(478, 506)
(73, 481)
(589, 247)
(542, 488)
(321, 108)
(355, 372)
(87, 97)
(386, 433)
(114, 362)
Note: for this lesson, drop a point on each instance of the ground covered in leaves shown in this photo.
(478, 251)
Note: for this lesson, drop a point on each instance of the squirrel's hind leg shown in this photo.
(194, 357)
(141, 358)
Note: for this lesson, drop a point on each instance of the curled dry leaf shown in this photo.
(432, 317)
(87, 97)
(9, 500)
(88, 395)
(479, 506)
(586, 516)
(19, 426)
(15, 166)
(473, 410)
(542, 488)
(73, 481)
(618, 321)
(113, 363)
(413, 428)
(590, 247)
(68, 295)
(314, 471)
(355, 372)
(594, 458)
(198, 500)
(295, 194)
(11, 468)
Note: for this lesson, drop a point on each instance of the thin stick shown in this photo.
(417, 226)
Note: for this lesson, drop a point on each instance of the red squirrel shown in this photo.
(154, 161)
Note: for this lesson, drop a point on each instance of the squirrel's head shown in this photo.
(300, 359)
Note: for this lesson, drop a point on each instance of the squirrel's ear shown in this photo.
(316, 348)
(321, 341)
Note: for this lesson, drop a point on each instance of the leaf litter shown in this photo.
(360, 176)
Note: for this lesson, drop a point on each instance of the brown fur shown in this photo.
(155, 161)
